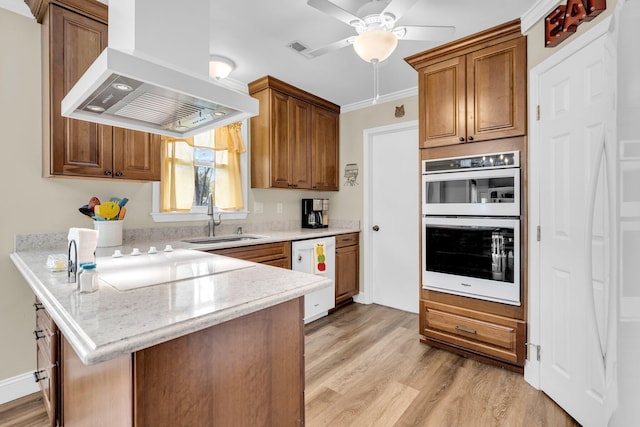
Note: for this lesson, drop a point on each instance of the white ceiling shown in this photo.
(255, 35)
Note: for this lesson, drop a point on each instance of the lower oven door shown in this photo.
(473, 257)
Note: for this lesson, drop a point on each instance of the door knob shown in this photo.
(376, 228)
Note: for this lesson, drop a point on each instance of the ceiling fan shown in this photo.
(375, 24)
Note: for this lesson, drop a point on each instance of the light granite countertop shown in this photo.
(109, 323)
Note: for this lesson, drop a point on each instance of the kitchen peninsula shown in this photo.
(225, 347)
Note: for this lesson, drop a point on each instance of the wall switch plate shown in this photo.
(279, 207)
(258, 207)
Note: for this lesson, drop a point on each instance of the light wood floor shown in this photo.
(366, 367)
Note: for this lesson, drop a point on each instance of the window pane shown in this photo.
(203, 156)
(203, 184)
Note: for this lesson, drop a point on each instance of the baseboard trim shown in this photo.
(17, 387)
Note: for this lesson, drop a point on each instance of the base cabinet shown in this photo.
(347, 267)
(482, 333)
(248, 371)
(47, 371)
(275, 254)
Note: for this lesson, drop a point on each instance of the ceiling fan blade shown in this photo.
(397, 8)
(336, 11)
(414, 32)
(314, 53)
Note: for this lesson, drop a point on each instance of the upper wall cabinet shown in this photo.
(76, 33)
(473, 89)
(294, 139)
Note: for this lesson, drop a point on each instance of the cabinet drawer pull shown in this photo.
(37, 334)
(469, 331)
(38, 306)
(37, 376)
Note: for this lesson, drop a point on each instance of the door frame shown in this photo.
(366, 293)
(532, 365)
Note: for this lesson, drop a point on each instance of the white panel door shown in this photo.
(394, 217)
(575, 288)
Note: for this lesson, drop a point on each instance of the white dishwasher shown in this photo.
(316, 256)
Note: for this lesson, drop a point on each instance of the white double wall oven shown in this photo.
(471, 226)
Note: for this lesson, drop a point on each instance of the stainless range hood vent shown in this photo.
(145, 84)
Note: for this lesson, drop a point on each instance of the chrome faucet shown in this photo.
(72, 265)
(210, 212)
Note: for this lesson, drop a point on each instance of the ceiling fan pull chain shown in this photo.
(376, 92)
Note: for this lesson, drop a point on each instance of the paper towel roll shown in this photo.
(86, 242)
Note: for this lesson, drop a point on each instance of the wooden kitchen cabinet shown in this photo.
(473, 89)
(47, 362)
(325, 148)
(294, 139)
(76, 33)
(500, 337)
(198, 379)
(347, 281)
(276, 254)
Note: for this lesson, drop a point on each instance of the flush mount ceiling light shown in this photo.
(220, 67)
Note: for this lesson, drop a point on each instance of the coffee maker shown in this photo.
(315, 213)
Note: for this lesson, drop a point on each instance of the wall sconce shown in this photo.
(220, 67)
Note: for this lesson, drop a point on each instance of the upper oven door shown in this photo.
(494, 192)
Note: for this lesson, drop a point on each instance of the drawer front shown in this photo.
(349, 239)
(258, 253)
(282, 263)
(45, 333)
(46, 375)
(318, 302)
(494, 336)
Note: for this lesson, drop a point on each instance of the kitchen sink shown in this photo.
(223, 239)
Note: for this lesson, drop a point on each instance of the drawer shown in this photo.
(45, 335)
(318, 302)
(258, 253)
(491, 335)
(349, 239)
(46, 375)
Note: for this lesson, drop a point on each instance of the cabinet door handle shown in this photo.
(461, 139)
(119, 173)
(38, 306)
(469, 331)
(37, 376)
(108, 172)
(470, 138)
(37, 334)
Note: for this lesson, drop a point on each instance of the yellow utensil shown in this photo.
(108, 210)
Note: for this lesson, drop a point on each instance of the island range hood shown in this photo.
(153, 76)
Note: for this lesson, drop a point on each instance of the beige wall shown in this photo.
(33, 204)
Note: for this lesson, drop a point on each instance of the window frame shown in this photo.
(199, 213)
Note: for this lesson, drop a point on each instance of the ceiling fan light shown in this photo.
(375, 45)
(220, 67)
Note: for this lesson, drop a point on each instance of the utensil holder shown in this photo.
(109, 233)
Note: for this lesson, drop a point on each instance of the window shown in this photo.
(193, 167)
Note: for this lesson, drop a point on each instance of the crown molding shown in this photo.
(405, 93)
(537, 12)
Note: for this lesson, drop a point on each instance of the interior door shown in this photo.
(575, 280)
(394, 217)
